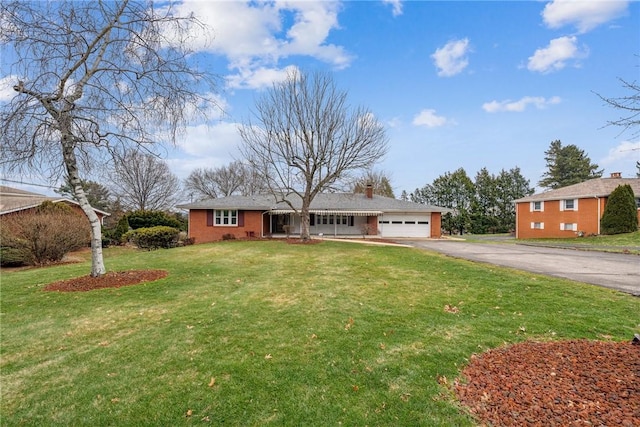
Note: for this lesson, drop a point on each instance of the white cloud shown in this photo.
(520, 105)
(585, 15)
(6, 88)
(258, 78)
(451, 59)
(213, 140)
(255, 36)
(555, 56)
(396, 6)
(622, 158)
(430, 119)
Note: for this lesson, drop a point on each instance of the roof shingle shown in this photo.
(597, 187)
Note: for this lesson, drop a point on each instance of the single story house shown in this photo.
(331, 214)
(569, 211)
(16, 201)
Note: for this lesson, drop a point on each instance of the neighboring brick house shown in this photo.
(14, 202)
(569, 211)
(332, 214)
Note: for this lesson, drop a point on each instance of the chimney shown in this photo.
(369, 191)
(616, 175)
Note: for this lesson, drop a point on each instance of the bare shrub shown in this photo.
(45, 236)
(365, 229)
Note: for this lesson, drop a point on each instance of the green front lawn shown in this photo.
(266, 333)
(626, 242)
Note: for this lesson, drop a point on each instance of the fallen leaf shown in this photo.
(212, 382)
(189, 412)
(355, 388)
(349, 324)
(451, 309)
(268, 356)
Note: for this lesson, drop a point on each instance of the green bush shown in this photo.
(113, 236)
(12, 257)
(146, 219)
(620, 213)
(154, 237)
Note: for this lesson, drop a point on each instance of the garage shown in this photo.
(405, 225)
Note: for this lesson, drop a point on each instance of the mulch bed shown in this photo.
(563, 383)
(114, 279)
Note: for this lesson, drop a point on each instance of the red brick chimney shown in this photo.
(368, 192)
(616, 175)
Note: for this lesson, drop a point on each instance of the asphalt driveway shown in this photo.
(616, 271)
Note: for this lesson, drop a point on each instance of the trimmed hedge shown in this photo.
(154, 237)
(146, 219)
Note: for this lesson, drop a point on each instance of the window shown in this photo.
(568, 226)
(569, 205)
(537, 225)
(226, 217)
(537, 206)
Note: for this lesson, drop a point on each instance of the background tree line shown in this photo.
(481, 206)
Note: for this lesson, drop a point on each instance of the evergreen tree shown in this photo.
(451, 190)
(510, 185)
(620, 212)
(97, 194)
(567, 166)
(484, 203)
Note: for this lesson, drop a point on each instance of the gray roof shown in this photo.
(334, 202)
(14, 200)
(598, 187)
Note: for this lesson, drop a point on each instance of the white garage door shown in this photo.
(405, 225)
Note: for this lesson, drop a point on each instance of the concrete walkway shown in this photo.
(611, 270)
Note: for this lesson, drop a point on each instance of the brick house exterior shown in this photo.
(569, 211)
(331, 214)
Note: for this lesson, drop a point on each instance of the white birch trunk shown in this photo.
(97, 262)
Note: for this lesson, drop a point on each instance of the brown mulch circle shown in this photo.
(114, 279)
(563, 383)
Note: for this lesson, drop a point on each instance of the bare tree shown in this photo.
(235, 178)
(629, 104)
(379, 181)
(90, 76)
(144, 182)
(304, 138)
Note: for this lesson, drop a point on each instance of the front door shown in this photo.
(278, 222)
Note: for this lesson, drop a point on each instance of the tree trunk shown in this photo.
(97, 262)
(305, 234)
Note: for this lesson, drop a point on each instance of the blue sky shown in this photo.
(457, 83)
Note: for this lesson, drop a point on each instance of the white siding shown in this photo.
(405, 225)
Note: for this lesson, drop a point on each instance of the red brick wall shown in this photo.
(587, 217)
(436, 225)
(202, 233)
(373, 224)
